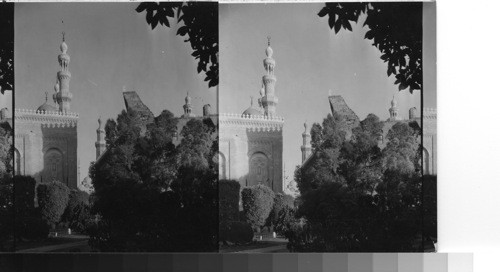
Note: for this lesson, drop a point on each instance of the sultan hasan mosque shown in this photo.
(46, 138)
(250, 143)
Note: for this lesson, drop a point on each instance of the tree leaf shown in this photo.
(331, 20)
(338, 25)
(323, 12)
(141, 7)
(182, 30)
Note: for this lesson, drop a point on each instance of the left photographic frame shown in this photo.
(116, 127)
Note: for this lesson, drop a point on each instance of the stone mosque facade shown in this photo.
(46, 138)
(251, 143)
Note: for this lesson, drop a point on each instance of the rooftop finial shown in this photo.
(251, 100)
(63, 35)
(46, 96)
(99, 121)
(268, 40)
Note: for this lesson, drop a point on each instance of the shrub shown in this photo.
(257, 204)
(239, 232)
(24, 194)
(281, 201)
(52, 198)
(285, 221)
(229, 198)
(77, 211)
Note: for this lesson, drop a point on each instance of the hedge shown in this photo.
(24, 188)
(257, 204)
(52, 199)
(229, 198)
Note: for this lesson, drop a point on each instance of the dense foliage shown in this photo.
(77, 212)
(7, 47)
(257, 204)
(24, 194)
(229, 198)
(29, 224)
(150, 195)
(52, 200)
(6, 189)
(200, 27)
(362, 193)
(281, 202)
(394, 28)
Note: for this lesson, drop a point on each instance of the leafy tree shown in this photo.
(359, 187)
(200, 27)
(24, 194)
(52, 200)
(7, 47)
(168, 198)
(257, 204)
(360, 156)
(229, 198)
(6, 188)
(281, 202)
(327, 141)
(401, 154)
(394, 28)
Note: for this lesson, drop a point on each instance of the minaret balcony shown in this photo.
(63, 75)
(269, 78)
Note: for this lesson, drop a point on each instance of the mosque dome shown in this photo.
(46, 107)
(252, 112)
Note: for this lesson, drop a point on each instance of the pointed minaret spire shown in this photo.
(100, 144)
(269, 100)
(306, 144)
(63, 96)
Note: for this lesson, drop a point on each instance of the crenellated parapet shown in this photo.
(252, 122)
(430, 113)
(47, 118)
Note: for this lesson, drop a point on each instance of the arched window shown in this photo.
(425, 155)
(222, 166)
(53, 165)
(259, 169)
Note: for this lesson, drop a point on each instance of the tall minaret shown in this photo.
(306, 144)
(62, 95)
(393, 110)
(100, 144)
(187, 107)
(269, 100)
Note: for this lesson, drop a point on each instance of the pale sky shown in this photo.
(310, 60)
(111, 46)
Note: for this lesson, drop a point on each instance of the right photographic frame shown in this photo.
(327, 127)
